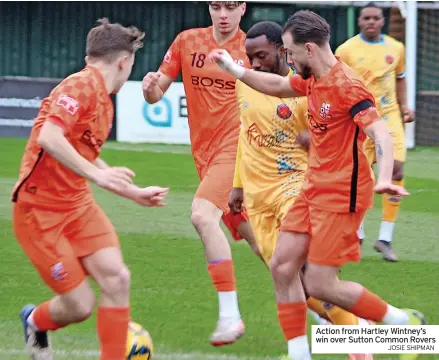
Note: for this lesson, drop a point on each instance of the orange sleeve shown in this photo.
(70, 101)
(298, 84)
(171, 64)
(360, 103)
(366, 117)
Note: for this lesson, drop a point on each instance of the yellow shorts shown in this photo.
(266, 224)
(396, 130)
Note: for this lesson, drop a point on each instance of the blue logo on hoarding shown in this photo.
(158, 114)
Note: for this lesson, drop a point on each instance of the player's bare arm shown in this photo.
(401, 94)
(52, 140)
(101, 164)
(154, 86)
(115, 179)
(266, 83)
(377, 131)
(149, 196)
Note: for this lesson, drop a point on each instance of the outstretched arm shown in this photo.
(52, 140)
(377, 131)
(100, 164)
(270, 84)
(115, 179)
(366, 116)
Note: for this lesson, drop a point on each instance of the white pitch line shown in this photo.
(159, 149)
(171, 356)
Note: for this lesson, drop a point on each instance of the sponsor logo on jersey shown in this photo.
(168, 56)
(324, 110)
(389, 59)
(89, 139)
(283, 111)
(208, 82)
(256, 136)
(68, 104)
(316, 127)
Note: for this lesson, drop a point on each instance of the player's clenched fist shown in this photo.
(408, 115)
(151, 196)
(150, 81)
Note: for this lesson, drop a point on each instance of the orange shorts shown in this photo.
(216, 186)
(334, 240)
(55, 241)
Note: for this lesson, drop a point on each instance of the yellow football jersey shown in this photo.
(268, 156)
(379, 63)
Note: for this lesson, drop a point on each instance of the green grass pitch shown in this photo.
(171, 292)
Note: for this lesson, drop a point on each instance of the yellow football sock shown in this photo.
(391, 205)
(316, 306)
(339, 316)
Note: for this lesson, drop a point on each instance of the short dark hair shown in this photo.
(236, 3)
(107, 40)
(307, 26)
(371, 4)
(271, 30)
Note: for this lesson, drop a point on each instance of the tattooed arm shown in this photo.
(377, 131)
(367, 118)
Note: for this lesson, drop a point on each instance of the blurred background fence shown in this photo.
(47, 40)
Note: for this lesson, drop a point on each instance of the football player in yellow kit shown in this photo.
(380, 61)
(272, 155)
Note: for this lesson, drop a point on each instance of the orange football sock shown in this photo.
(292, 319)
(42, 319)
(113, 331)
(369, 306)
(222, 274)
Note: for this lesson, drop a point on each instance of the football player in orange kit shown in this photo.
(56, 220)
(321, 227)
(214, 130)
(272, 157)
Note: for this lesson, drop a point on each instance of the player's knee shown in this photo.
(117, 282)
(280, 270)
(80, 307)
(83, 310)
(200, 220)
